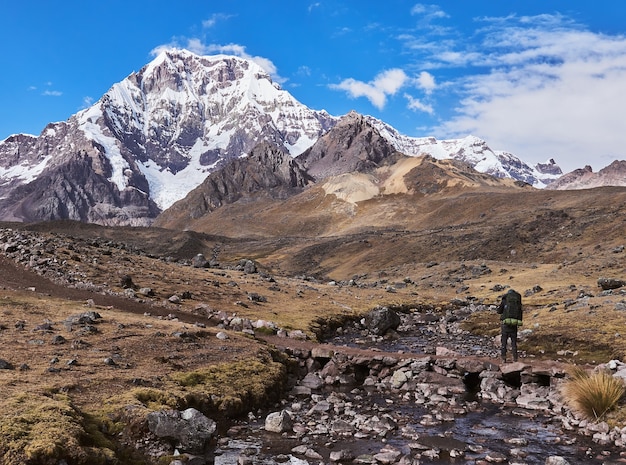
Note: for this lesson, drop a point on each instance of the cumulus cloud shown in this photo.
(418, 105)
(376, 91)
(426, 82)
(540, 87)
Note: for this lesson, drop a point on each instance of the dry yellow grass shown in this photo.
(429, 249)
(593, 395)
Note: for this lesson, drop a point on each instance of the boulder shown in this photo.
(278, 422)
(381, 319)
(190, 429)
(610, 283)
(199, 261)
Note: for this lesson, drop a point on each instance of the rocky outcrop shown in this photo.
(267, 171)
(352, 145)
(584, 178)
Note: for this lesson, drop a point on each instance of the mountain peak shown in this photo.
(584, 178)
(267, 171)
(354, 144)
(156, 135)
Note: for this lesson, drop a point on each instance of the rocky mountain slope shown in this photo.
(156, 135)
(585, 178)
(350, 179)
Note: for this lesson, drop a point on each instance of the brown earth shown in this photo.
(459, 244)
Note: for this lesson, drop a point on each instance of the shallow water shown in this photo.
(514, 435)
(467, 438)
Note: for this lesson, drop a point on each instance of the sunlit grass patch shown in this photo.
(40, 429)
(591, 333)
(594, 395)
(229, 387)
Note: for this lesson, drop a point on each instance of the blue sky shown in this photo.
(539, 78)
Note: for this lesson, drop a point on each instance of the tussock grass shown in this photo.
(594, 395)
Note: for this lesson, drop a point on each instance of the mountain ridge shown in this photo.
(584, 178)
(351, 179)
(156, 135)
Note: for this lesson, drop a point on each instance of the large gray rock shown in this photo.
(190, 429)
(610, 283)
(381, 319)
(199, 261)
(278, 422)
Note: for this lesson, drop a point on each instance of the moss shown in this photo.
(40, 429)
(230, 387)
(156, 399)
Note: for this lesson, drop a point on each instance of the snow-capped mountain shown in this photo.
(156, 135)
(473, 151)
(184, 114)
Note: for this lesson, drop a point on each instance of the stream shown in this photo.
(488, 434)
(477, 432)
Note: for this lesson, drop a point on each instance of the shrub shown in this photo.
(592, 395)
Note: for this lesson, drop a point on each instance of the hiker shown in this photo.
(510, 310)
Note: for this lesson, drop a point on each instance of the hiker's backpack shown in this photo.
(512, 308)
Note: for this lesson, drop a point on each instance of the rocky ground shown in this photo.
(162, 314)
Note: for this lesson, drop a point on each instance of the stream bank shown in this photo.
(352, 402)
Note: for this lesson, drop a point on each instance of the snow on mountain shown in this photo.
(473, 151)
(183, 115)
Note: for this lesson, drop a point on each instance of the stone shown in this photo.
(342, 455)
(381, 319)
(556, 460)
(313, 381)
(191, 429)
(278, 422)
(199, 261)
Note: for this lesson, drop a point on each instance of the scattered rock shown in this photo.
(278, 422)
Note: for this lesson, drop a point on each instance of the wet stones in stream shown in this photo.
(416, 402)
(393, 410)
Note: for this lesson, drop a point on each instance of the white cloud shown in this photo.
(426, 82)
(87, 102)
(540, 88)
(384, 84)
(428, 11)
(214, 19)
(416, 104)
(312, 6)
(52, 93)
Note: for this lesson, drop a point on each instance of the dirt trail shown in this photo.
(16, 277)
